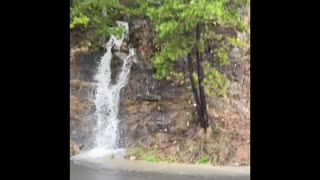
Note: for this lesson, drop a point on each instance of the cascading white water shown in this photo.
(107, 100)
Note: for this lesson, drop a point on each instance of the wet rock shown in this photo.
(160, 137)
(235, 53)
(142, 36)
(139, 23)
(78, 108)
(79, 83)
(181, 119)
(120, 55)
(153, 127)
(159, 122)
(134, 135)
(88, 63)
(123, 48)
(74, 148)
(148, 97)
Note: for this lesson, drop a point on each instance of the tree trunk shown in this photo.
(203, 104)
(193, 85)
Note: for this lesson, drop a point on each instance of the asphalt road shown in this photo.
(141, 170)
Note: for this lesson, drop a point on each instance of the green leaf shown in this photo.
(223, 56)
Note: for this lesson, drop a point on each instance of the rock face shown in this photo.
(160, 113)
(74, 149)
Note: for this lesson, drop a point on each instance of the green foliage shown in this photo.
(142, 153)
(215, 83)
(163, 61)
(116, 31)
(79, 20)
(173, 74)
(151, 157)
(204, 159)
(222, 53)
(236, 42)
(218, 37)
(172, 159)
(96, 16)
(138, 152)
(175, 23)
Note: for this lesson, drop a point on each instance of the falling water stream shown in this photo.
(106, 101)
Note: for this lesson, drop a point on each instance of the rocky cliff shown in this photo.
(159, 113)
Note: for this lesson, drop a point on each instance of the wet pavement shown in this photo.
(141, 170)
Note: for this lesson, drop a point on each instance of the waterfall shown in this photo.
(106, 100)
